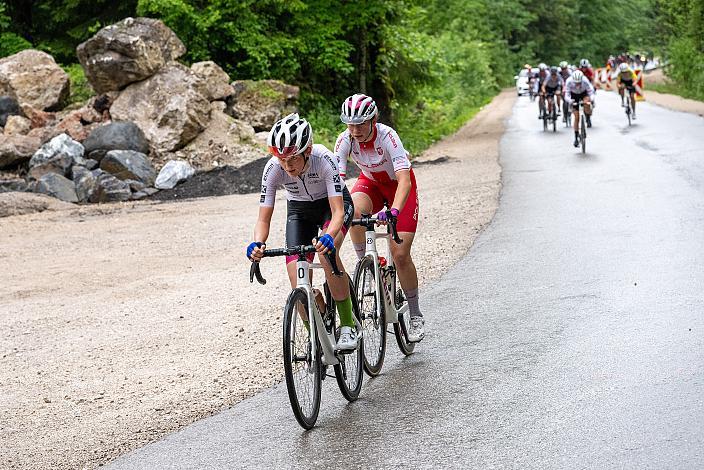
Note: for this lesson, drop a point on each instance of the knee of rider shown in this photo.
(402, 259)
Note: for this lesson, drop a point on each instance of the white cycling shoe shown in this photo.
(348, 339)
(416, 331)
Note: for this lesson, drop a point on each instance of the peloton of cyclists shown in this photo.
(316, 198)
(626, 79)
(386, 179)
(577, 89)
(552, 86)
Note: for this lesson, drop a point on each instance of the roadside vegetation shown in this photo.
(430, 64)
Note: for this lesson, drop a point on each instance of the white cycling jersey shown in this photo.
(578, 88)
(553, 81)
(379, 159)
(320, 179)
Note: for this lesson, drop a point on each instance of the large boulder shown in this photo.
(169, 107)
(34, 78)
(8, 107)
(108, 188)
(129, 165)
(14, 184)
(226, 141)
(56, 156)
(16, 149)
(115, 136)
(128, 51)
(173, 173)
(55, 185)
(216, 81)
(85, 182)
(17, 125)
(261, 103)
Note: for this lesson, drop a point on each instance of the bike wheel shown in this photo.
(402, 326)
(628, 113)
(350, 370)
(373, 319)
(583, 133)
(303, 380)
(545, 122)
(554, 119)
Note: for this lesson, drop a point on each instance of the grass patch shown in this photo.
(81, 90)
(675, 89)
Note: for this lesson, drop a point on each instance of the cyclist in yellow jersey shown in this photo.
(626, 79)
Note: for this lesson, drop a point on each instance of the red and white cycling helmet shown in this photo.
(357, 109)
(289, 136)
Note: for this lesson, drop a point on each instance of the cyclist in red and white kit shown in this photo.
(386, 179)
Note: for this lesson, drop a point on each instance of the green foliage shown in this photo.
(10, 43)
(81, 90)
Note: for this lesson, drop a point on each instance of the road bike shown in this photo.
(380, 298)
(628, 105)
(310, 336)
(582, 125)
(544, 113)
(567, 114)
(551, 113)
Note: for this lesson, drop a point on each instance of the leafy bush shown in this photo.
(81, 90)
(11, 43)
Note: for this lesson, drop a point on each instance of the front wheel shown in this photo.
(303, 379)
(350, 371)
(372, 316)
(583, 133)
(402, 326)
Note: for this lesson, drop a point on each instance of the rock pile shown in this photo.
(149, 110)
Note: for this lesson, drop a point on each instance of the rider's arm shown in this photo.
(337, 208)
(403, 189)
(590, 89)
(342, 151)
(261, 228)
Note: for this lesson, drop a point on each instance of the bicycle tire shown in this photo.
(401, 329)
(349, 372)
(628, 113)
(303, 383)
(373, 321)
(583, 133)
(554, 117)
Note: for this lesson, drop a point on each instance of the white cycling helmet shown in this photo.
(622, 67)
(357, 109)
(289, 136)
(542, 66)
(563, 64)
(584, 63)
(577, 76)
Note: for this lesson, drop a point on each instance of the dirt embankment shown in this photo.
(121, 323)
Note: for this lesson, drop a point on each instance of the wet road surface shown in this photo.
(570, 336)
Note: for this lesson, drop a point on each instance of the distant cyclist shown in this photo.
(543, 73)
(316, 198)
(586, 68)
(552, 86)
(626, 79)
(565, 71)
(386, 179)
(579, 89)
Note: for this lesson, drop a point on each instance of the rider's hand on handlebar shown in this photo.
(255, 251)
(383, 217)
(324, 244)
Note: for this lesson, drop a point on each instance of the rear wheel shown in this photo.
(373, 319)
(303, 379)
(350, 370)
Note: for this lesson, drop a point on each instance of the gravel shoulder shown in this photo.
(122, 323)
(674, 102)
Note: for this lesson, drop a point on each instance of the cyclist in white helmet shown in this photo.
(577, 89)
(386, 179)
(316, 199)
(543, 74)
(626, 79)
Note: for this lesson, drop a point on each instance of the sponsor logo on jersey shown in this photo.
(263, 189)
(380, 151)
(262, 199)
(393, 141)
(335, 178)
(268, 170)
(338, 188)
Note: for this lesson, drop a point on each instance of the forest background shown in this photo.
(430, 64)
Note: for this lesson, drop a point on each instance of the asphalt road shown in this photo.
(570, 336)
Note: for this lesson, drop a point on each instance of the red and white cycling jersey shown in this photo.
(379, 159)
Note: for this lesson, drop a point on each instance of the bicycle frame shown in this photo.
(389, 297)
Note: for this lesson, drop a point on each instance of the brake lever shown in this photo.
(255, 271)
